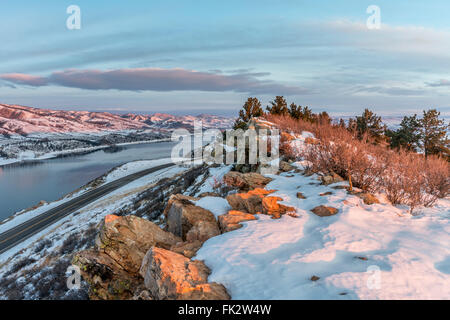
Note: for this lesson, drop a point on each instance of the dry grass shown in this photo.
(406, 177)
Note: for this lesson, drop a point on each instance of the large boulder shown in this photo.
(188, 221)
(324, 211)
(250, 202)
(127, 239)
(106, 278)
(171, 276)
(245, 181)
(232, 220)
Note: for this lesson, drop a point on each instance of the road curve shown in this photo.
(14, 236)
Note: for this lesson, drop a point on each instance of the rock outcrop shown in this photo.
(250, 202)
(246, 181)
(127, 239)
(187, 249)
(257, 202)
(231, 221)
(188, 221)
(169, 275)
(107, 279)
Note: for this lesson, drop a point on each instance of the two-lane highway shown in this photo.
(14, 236)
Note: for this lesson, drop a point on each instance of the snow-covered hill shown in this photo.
(22, 120)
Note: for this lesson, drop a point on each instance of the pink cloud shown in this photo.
(156, 79)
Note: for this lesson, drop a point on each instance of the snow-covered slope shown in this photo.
(376, 251)
(364, 252)
(22, 120)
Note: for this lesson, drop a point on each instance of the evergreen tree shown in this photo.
(407, 136)
(278, 106)
(371, 124)
(252, 108)
(324, 118)
(433, 133)
(352, 126)
(295, 111)
(307, 115)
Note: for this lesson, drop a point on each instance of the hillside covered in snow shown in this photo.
(22, 120)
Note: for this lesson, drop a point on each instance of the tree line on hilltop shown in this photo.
(427, 134)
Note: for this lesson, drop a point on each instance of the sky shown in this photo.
(190, 57)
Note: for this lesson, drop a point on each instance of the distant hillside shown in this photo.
(22, 120)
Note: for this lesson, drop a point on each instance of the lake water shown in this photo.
(24, 185)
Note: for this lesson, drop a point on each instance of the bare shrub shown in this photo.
(406, 177)
(20, 264)
(286, 149)
(41, 245)
(69, 245)
(437, 177)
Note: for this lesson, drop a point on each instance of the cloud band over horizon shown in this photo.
(156, 79)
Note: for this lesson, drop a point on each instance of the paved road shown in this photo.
(14, 236)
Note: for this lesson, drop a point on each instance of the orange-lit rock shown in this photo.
(256, 202)
(310, 140)
(110, 218)
(169, 275)
(286, 136)
(275, 209)
(250, 202)
(231, 221)
(246, 181)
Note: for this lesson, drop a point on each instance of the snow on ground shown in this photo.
(217, 205)
(214, 181)
(92, 213)
(116, 173)
(133, 167)
(364, 252)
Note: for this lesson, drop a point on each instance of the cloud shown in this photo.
(157, 79)
(390, 90)
(19, 78)
(440, 83)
